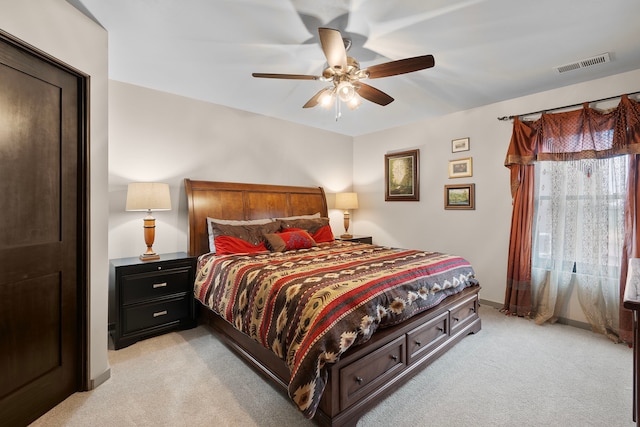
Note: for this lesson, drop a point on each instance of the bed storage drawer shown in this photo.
(423, 339)
(463, 313)
(361, 377)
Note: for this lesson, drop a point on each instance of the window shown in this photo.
(578, 231)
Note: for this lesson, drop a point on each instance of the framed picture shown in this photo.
(460, 168)
(461, 196)
(461, 144)
(401, 172)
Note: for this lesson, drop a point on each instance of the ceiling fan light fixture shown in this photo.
(346, 91)
(327, 98)
(354, 103)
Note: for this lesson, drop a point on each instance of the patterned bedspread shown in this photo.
(309, 306)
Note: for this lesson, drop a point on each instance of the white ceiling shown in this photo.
(485, 51)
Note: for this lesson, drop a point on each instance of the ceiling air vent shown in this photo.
(583, 63)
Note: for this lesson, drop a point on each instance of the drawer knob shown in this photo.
(440, 329)
(394, 357)
(418, 343)
(160, 313)
(456, 319)
(159, 285)
(359, 380)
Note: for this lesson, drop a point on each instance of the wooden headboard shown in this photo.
(230, 200)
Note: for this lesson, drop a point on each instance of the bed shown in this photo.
(371, 342)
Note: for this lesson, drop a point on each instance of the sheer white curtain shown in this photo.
(577, 238)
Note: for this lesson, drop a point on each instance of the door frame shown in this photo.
(83, 192)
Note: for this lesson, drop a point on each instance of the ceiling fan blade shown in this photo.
(285, 76)
(315, 99)
(401, 66)
(333, 48)
(374, 95)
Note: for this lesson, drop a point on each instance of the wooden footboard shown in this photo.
(369, 372)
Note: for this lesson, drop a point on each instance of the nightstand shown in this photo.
(357, 239)
(148, 298)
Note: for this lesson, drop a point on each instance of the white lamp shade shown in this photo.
(346, 201)
(142, 196)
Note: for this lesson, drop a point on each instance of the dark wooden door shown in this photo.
(42, 232)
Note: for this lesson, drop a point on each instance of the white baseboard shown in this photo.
(97, 381)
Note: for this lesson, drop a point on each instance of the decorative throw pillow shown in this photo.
(324, 234)
(313, 226)
(253, 234)
(288, 240)
(211, 221)
(226, 245)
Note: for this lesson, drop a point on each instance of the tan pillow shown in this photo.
(315, 215)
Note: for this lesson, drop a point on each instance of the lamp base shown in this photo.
(149, 257)
(346, 236)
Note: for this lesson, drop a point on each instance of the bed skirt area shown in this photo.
(367, 373)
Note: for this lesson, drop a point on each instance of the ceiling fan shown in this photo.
(345, 73)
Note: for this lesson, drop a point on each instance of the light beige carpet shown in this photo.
(512, 373)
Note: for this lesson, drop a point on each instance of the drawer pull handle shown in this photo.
(418, 343)
(394, 357)
(159, 285)
(456, 319)
(160, 313)
(359, 380)
(440, 329)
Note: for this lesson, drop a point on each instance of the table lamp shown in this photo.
(147, 196)
(346, 201)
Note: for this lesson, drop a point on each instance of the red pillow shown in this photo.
(289, 240)
(233, 245)
(324, 234)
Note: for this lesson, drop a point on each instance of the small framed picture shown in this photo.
(402, 176)
(461, 144)
(462, 196)
(460, 168)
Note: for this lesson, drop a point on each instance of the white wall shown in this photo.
(156, 136)
(60, 30)
(480, 235)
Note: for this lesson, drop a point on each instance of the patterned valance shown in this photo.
(586, 133)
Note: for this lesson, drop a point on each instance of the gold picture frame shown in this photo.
(460, 144)
(462, 196)
(461, 168)
(402, 176)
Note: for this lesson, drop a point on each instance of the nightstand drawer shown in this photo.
(146, 286)
(155, 314)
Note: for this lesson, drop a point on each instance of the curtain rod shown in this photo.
(504, 118)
